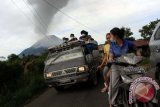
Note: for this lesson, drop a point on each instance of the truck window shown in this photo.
(157, 34)
(63, 56)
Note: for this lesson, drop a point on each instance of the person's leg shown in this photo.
(108, 73)
(108, 76)
(114, 83)
(105, 71)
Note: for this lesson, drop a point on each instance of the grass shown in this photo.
(34, 85)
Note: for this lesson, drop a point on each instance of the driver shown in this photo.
(118, 47)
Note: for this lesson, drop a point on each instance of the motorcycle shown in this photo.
(135, 89)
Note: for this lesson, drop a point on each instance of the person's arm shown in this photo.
(103, 61)
(134, 48)
(111, 54)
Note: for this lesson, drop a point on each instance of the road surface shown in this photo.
(79, 95)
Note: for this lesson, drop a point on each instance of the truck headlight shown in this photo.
(49, 75)
(81, 69)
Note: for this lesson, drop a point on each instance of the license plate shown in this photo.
(65, 80)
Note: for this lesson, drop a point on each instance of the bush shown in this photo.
(25, 93)
(16, 88)
(10, 74)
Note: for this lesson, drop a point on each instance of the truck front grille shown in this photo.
(65, 71)
(70, 70)
(57, 73)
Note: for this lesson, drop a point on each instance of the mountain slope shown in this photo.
(41, 46)
(47, 42)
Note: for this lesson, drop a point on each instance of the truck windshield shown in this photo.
(54, 58)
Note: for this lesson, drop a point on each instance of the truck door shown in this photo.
(155, 46)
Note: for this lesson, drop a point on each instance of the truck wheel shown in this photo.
(93, 79)
(59, 88)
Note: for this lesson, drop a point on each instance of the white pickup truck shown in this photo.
(155, 51)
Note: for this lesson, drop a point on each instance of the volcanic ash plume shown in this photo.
(44, 12)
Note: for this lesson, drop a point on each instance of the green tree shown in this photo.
(17, 88)
(147, 30)
(128, 33)
(12, 57)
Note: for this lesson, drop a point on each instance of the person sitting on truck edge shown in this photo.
(106, 67)
(73, 38)
(91, 44)
(92, 40)
(65, 40)
(83, 36)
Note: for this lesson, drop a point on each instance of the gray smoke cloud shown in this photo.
(45, 12)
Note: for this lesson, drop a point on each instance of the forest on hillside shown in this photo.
(21, 79)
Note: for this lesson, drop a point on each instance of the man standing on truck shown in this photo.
(73, 38)
(65, 40)
(91, 44)
(91, 40)
(104, 65)
(84, 35)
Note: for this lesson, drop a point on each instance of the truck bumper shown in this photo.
(68, 79)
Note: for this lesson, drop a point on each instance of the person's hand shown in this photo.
(110, 61)
(99, 67)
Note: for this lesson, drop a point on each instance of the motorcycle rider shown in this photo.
(104, 65)
(91, 44)
(118, 47)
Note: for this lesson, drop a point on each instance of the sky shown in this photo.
(23, 22)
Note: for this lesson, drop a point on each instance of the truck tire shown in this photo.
(93, 79)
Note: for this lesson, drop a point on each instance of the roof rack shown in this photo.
(66, 46)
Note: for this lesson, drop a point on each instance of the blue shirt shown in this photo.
(117, 50)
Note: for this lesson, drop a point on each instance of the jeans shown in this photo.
(114, 83)
(90, 47)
